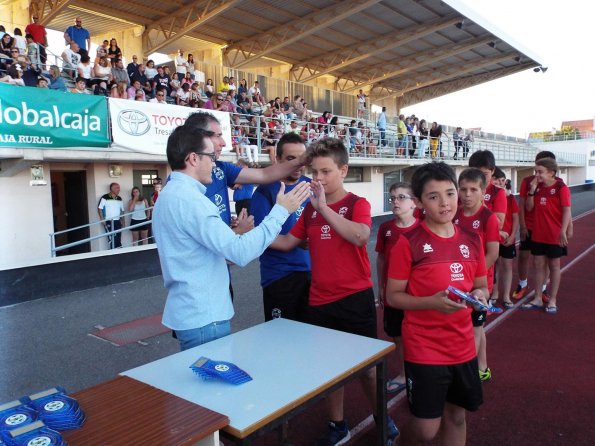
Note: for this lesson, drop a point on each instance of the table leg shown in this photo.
(381, 412)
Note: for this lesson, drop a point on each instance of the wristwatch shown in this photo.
(531, 194)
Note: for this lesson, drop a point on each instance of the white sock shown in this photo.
(543, 288)
(523, 283)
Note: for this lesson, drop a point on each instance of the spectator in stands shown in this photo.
(85, 69)
(187, 80)
(191, 68)
(293, 127)
(132, 67)
(32, 52)
(409, 126)
(76, 33)
(256, 94)
(30, 74)
(71, 59)
(231, 89)
(80, 86)
(467, 143)
(287, 108)
(267, 142)
(159, 97)
(299, 109)
(368, 142)
(227, 105)
(14, 76)
(435, 134)
(119, 90)
(401, 136)
(139, 75)
(352, 135)
(244, 104)
(20, 43)
(324, 118)
(414, 135)
(102, 70)
(333, 130)
(39, 36)
(223, 86)
(150, 70)
(56, 81)
(457, 138)
(242, 87)
(6, 44)
(42, 82)
(101, 52)
(114, 53)
(361, 104)
(381, 124)
(139, 95)
(181, 65)
(134, 89)
(5, 61)
(162, 80)
(209, 88)
(196, 95)
(100, 89)
(423, 139)
(119, 73)
(183, 95)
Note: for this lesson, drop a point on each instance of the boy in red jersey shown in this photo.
(550, 198)
(526, 230)
(337, 224)
(403, 204)
(440, 358)
(473, 216)
(495, 197)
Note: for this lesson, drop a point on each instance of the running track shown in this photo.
(543, 387)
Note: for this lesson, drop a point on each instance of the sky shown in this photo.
(559, 33)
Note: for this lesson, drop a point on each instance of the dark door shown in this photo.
(75, 198)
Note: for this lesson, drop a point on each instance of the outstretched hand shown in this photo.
(319, 198)
(293, 199)
(245, 223)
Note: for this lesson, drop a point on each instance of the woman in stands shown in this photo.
(435, 134)
(243, 87)
(150, 70)
(119, 90)
(209, 88)
(187, 80)
(140, 214)
(190, 68)
(423, 139)
(267, 142)
(85, 69)
(135, 90)
(19, 41)
(56, 81)
(102, 70)
(114, 52)
(368, 142)
(6, 44)
(14, 76)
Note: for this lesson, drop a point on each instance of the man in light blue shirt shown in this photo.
(194, 243)
(381, 124)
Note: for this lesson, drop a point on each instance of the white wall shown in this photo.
(26, 219)
(582, 146)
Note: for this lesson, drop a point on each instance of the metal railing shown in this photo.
(570, 136)
(110, 234)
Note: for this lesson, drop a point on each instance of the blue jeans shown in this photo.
(198, 336)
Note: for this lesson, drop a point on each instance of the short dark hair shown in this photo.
(499, 173)
(330, 148)
(437, 171)
(473, 174)
(288, 138)
(184, 140)
(200, 120)
(400, 185)
(545, 154)
(79, 79)
(483, 158)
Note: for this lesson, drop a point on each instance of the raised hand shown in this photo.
(319, 198)
(245, 223)
(293, 199)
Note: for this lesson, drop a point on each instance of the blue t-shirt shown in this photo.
(224, 176)
(274, 264)
(243, 193)
(79, 35)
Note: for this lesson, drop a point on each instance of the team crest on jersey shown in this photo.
(464, 251)
(543, 201)
(456, 272)
(428, 248)
(343, 211)
(456, 222)
(314, 214)
(552, 191)
(218, 199)
(476, 224)
(218, 173)
(388, 233)
(299, 211)
(487, 197)
(325, 232)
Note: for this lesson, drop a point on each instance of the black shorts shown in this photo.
(354, 314)
(478, 318)
(430, 387)
(393, 319)
(139, 228)
(550, 251)
(287, 297)
(526, 244)
(508, 252)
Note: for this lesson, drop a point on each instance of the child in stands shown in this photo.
(550, 198)
(403, 206)
(440, 358)
(336, 224)
(473, 216)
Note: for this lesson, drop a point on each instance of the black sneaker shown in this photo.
(335, 436)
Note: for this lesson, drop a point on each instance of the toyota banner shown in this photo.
(144, 127)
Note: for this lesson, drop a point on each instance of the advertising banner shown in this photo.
(41, 118)
(145, 126)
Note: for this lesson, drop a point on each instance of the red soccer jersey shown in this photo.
(512, 207)
(523, 194)
(339, 268)
(495, 199)
(430, 264)
(485, 224)
(388, 234)
(549, 202)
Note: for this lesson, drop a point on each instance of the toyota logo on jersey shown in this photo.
(456, 272)
(325, 232)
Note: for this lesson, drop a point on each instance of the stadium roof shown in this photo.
(413, 50)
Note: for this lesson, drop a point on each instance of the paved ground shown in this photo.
(45, 343)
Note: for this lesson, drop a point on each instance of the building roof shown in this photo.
(412, 50)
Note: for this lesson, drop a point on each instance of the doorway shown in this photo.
(143, 179)
(70, 209)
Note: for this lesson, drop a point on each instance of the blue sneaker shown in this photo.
(392, 430)
(335, 436)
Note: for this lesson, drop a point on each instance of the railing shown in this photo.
(572, 136)
(110, 234)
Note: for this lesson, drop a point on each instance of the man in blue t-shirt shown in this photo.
(284, 276)
(227, 174)
(80, 35)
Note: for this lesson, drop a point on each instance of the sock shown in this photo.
(523, 283)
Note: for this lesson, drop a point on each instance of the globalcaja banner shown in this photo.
(145, 126)
(40, 118)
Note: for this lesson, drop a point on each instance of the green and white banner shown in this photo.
(40, 118)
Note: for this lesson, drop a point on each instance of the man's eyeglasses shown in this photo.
(399, 198)
(209, 154)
